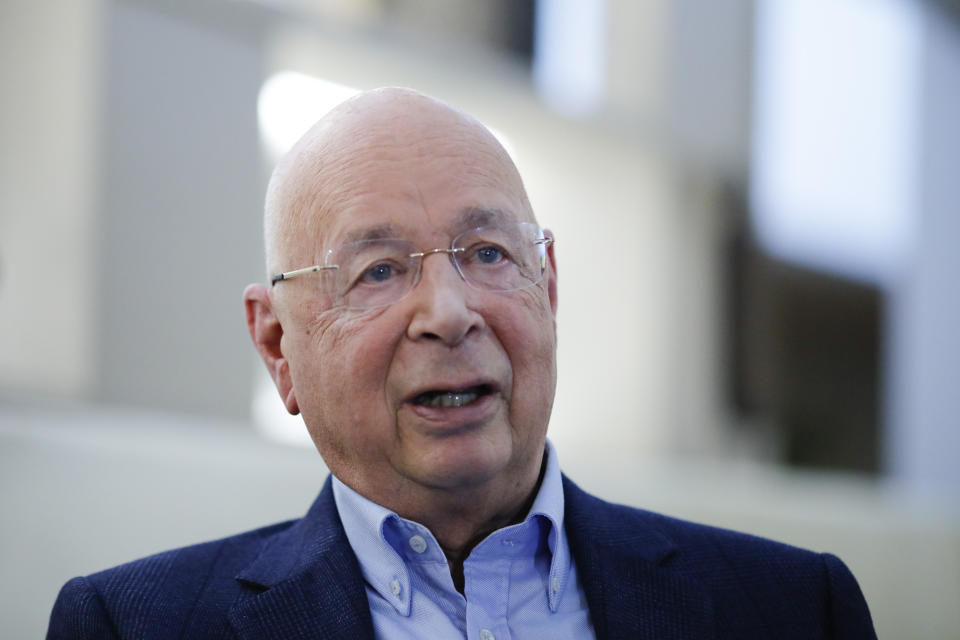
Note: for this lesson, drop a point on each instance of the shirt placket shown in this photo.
(487, 574)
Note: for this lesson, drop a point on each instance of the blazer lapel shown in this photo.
(326, 602)
(307, 583)
(621, 562)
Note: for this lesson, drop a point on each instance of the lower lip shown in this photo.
(475, 413)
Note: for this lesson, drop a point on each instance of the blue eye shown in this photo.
(378, 273)
(489, 254)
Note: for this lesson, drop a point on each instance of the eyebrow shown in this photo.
(379, 232)
(468, 218)
(480, 216)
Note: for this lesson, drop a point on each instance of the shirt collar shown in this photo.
(549, 505)
(373, 533)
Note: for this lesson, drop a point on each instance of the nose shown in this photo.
(440, 301)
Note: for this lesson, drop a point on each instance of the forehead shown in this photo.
(355, 230)
(404, 168)
(418, 198)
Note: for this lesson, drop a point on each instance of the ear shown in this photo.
(552, 274)
(266, 333)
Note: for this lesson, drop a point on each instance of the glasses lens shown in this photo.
(504, 257)
(371, 273)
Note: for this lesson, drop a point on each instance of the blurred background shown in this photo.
(757, 211)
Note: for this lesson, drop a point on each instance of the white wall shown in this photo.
(923, 350)
(51, 79)
(179, 231)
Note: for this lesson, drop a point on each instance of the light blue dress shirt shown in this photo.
(519, 582)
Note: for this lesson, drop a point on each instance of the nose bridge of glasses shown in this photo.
(451, 252)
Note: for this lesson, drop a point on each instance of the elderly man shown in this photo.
(410, 321)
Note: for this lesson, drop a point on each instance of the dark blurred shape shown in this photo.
(805, 359)
(518, 26)
(949, 9)
(496, 24)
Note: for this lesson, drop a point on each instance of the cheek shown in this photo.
(339, 374)
(528, 335)
(353, 355)
(529, 321)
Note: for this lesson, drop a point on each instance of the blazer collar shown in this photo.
(307, 582)
(623, 561)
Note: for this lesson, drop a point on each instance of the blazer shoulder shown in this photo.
(617, 522)
(222, 556)
(751, 580)
(156, 596)
(79, 613)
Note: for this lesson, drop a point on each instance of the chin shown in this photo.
(463, 464)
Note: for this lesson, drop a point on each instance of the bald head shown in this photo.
(381, 177)
(339, 157)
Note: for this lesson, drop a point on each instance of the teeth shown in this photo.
(449, 399)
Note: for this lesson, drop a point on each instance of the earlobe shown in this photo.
(285, 387)
(266, 332)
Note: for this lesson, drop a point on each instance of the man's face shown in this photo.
(360, 376)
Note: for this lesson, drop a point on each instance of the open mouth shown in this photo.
(449, 398)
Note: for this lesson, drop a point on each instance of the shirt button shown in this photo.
(395, 587)
(486, 634)
(556, 585)
(418, 544)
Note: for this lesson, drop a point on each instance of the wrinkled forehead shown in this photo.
(472, 217)
(392, 163)
(416, 196)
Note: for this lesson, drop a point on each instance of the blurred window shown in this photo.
(834, 153)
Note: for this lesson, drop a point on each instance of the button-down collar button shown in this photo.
(418, 544)
(486, 634)
(395, 587)
(556, 585)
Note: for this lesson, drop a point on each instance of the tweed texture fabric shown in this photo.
(645, 576)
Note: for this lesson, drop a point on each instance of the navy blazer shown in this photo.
(645, 576)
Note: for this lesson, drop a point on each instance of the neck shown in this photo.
(463, 523)
(458, 517)
(461, 518)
